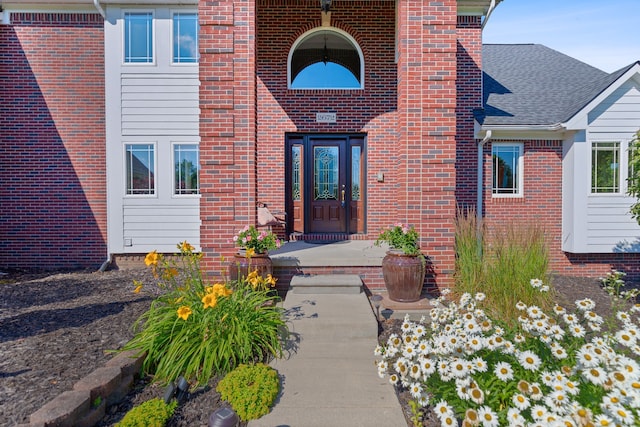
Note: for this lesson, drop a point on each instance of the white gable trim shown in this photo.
(581, 119)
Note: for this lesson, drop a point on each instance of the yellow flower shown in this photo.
(170, 273)
(219, 290)
(185, 247)
(271, 280)
(209, 301)
(250, 252)
(138, 286)
(184, 312)
(151, 258)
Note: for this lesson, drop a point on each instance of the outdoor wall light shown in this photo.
(224, 417)
(376, 300)
(325, 5)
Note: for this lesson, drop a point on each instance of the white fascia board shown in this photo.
(580, 119)
(554, 132)
(64, 4)
(474, 7)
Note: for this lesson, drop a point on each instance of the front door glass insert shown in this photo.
(326, 173)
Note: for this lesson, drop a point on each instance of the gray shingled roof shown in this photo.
(531, 84)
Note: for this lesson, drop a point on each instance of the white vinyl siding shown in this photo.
(600, 222)
(160, 104)
(146, 102)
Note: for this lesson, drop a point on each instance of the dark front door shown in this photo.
(325, 176)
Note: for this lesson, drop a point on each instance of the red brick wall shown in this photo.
(542, 205)
(469, 90)
(52, 141)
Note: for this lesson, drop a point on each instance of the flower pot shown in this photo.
(403, 275)
(240, 266)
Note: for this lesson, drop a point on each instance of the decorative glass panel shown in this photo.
(138, 37)
(326, 163)
(296, 157)
(185, 37)
(605, 167)
(505, 169)
(187, 169)
(355, 173)
(140, 169)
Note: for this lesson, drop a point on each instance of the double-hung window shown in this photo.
(507, 169)
(185, 37)
(605, 167)
(140, 169)
(186, 161)
(138, 37)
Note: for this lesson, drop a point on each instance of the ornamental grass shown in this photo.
(198, 329)
(556, 369)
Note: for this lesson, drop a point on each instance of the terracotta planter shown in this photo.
(403, 275)
(240, 266)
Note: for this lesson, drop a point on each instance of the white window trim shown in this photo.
(153, 39)
(154, 144)
(324, 29)
(623, 167)
(520, 177)
(185, 64)
(173, 175)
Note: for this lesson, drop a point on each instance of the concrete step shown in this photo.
(326, 284)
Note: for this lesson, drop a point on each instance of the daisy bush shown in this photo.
(556, 369)
(198, 329)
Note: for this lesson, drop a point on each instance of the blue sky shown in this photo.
(605, 34)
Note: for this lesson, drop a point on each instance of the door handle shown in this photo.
(342, 196)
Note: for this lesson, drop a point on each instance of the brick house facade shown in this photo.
(415, 116)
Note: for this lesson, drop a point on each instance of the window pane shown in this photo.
(505, 169)
(187, 169)
(296, 157)
(605, 167)
(355, 173)
(138, 37)
(325, 173)
(140, 169)
(185, 37)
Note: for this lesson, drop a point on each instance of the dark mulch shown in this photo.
(55, 328)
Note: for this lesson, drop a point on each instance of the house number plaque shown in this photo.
(325, 117)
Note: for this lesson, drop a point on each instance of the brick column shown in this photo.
(427, 127)
(227, 125)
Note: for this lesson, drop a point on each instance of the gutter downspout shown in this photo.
(480, 186)
(100, 10)
(492, 6)
(107, 262)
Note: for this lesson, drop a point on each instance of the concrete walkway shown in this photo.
(329, 377)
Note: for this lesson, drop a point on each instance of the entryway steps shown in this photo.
(326, 284)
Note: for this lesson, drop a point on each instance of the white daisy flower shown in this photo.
(539, 412)
(427, 365)
(529, 360)
(534, 312)
(520, 401)
(621, 414)
(415, 371)
(577, 331)
(477, 395)
(585, 304)
(487, 417)
(536, 283)
(625, 338)
(442, 409)
(480, 296)
(423, 400)
(521, 306)
(515, 419)
(559, 310)
(603, 420)
(479, 364)
(535, 391)
(503, 371)
(623, 316)
(394, 379)
(416, 390)
(595, 375)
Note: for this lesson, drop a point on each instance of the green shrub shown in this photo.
(196, 330)
(152, 413)
(250, 389)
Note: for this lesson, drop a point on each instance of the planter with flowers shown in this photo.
(403, 267)
(253, 252)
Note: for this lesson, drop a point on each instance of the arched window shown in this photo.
(325, 59)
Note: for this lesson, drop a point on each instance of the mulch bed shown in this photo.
(56, 328)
